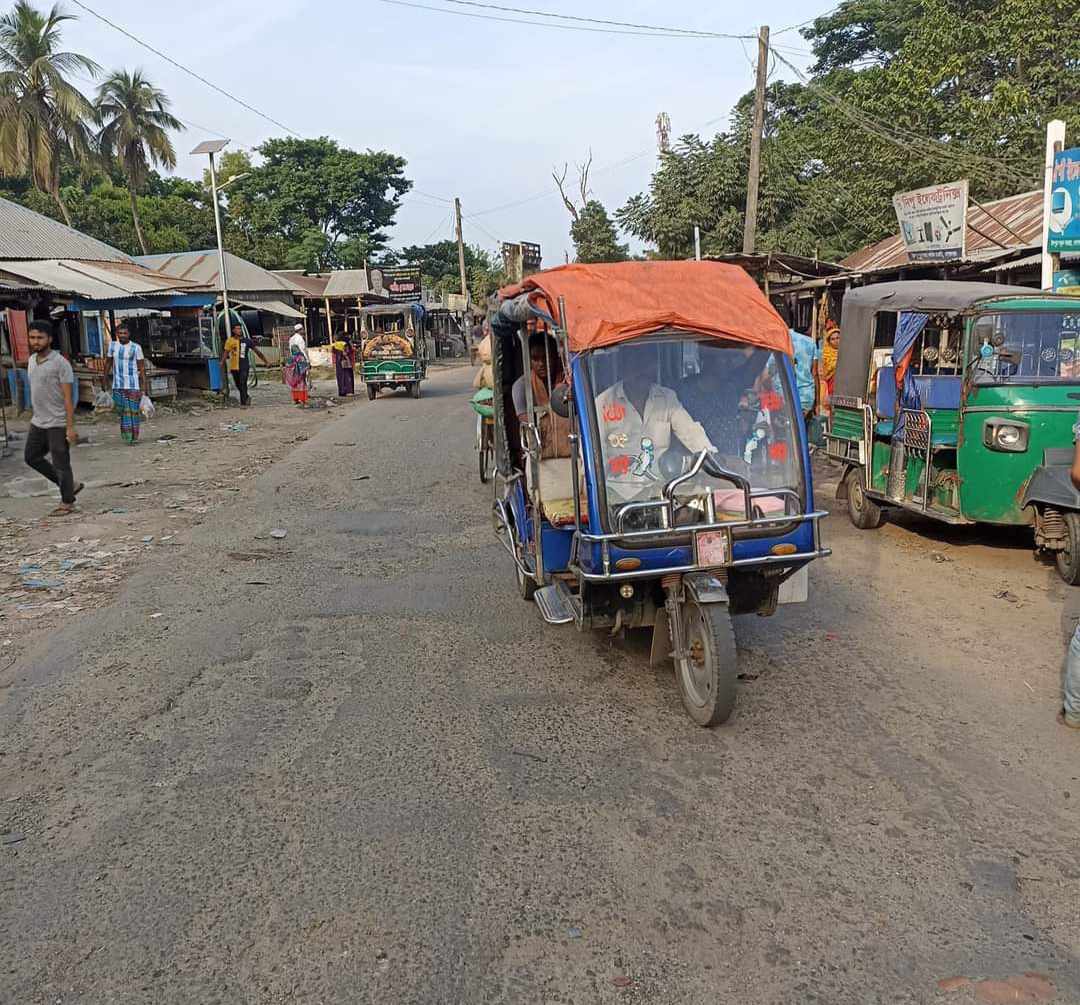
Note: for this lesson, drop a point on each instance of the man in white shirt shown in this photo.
(126, 370)
(637, 417)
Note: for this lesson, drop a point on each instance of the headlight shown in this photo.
(1006, 435)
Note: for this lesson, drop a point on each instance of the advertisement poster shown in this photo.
(1063, 232)
(400, 283)
(933, 221)
(1067, 281)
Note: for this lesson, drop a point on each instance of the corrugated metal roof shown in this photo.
(25, 234)
(201, 267)
(312, 285)
(1012, 222)
(347, 283)
(95, 280)
(271, 307)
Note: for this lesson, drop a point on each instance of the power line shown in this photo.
(907, 140)
(189, 72)
(675, 33)
(692, 32)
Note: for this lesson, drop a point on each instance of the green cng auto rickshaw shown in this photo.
(393, 349)
(957, 401)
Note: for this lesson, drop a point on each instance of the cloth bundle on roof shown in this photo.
(606, 304)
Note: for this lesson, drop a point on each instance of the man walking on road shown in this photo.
(235, 355)
(127, 367)
(52, 427)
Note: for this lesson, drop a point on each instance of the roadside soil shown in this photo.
(192, 458)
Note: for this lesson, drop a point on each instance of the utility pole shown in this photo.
(212, 147)
(461, 253)
(753, 177)
(1055, 142)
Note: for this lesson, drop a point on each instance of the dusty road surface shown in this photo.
(350, 765)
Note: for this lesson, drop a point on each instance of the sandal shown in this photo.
(63, 510)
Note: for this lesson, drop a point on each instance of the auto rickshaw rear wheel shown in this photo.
(526, 584)
(372, 392)
(864, 512)
(414, 390)
(708, 670)
(1068, 559)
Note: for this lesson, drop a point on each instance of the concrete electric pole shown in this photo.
(753, 177)
(461, 253)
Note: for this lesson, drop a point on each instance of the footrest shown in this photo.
(555, 604)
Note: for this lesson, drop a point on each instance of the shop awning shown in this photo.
(270, 306)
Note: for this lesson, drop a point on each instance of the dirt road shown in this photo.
(351, 765)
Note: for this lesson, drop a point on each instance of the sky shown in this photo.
(481, 109)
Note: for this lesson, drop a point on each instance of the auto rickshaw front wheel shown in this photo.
(1068, 559)
(864, 512)
(708, 668)
(414, 390)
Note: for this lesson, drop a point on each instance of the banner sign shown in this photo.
(401, 283)
(1067, 281)
(933, 221)
(1063, 232)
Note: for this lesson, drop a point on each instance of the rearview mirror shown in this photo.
(560, 400)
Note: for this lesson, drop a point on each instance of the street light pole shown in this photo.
(212, 147)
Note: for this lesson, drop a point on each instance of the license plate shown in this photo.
(401, 376)
(713, 548)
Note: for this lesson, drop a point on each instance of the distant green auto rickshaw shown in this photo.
(957, 401)
(393, 351)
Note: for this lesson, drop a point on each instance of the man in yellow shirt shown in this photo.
(234, 355)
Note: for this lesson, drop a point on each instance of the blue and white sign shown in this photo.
(1063, 233)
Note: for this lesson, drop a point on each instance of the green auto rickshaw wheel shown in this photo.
(1068, 559)
(709, 668)
(372, 392)
(414, 390)
(864, 512)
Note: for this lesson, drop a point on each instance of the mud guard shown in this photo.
(660, 652)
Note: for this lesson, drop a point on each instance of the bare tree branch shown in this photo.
(560, 183)
(583, 179)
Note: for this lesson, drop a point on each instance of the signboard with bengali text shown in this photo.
(401, 283)
(1063, 229)
(933, 221)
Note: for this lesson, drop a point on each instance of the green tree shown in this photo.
(135, 124)
(440, 272)
(594, 235)
(324, 200)
(43, 117)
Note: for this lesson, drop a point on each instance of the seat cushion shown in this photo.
(557, 490)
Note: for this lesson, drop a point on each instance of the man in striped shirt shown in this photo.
(127, 368)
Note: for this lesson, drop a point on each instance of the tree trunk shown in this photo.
(63, 207)
(135, 219)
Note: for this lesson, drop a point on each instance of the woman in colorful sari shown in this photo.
(827, 367)
(296, 373)
(344, 363)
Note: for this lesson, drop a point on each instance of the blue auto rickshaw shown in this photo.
(652, 461)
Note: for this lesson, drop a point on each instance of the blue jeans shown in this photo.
(1072, 680)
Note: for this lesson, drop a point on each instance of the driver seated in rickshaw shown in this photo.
(554, 430)
(637, 417)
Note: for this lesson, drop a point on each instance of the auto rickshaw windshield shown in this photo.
(1024, 346)
(661, 401)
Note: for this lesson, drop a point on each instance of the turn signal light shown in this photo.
(628, 564)
(783, 549)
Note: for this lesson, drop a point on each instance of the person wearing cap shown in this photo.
(297, 340)
(126, 370)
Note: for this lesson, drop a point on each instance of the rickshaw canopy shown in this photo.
(921, 296)
(611, 303)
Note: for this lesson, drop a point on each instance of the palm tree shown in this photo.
(135, 123)
(43, 117)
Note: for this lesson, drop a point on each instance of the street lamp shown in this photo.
(212, 147)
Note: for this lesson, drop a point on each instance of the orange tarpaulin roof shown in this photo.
(611, 303)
